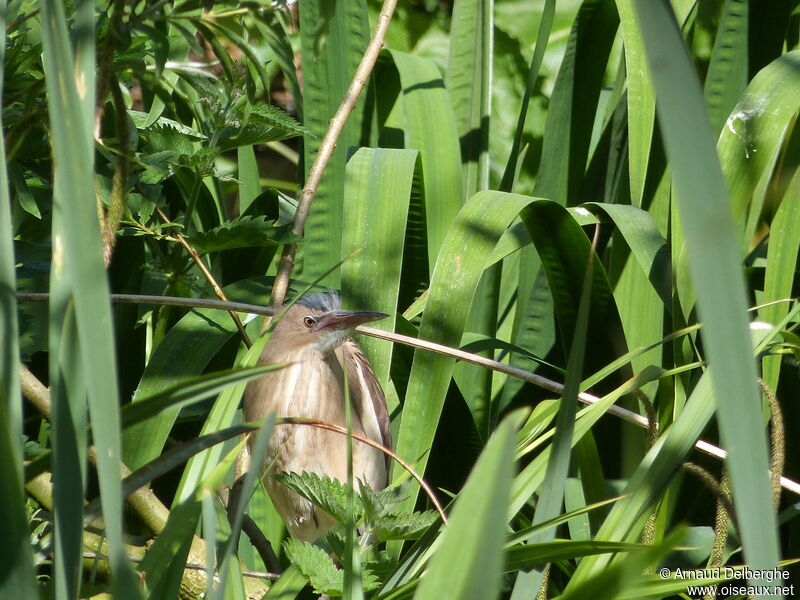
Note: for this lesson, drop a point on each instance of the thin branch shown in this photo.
(210, 277)
(533, 378)
(326, 148)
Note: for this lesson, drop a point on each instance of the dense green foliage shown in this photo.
(601, 193)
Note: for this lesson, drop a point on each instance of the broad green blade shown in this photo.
(429, 126)
(654, 473)
(551, 498)
(164, 563)
(333, 40)
(68, 397)
(188, 391)
(378, 190)
(728, 68)
(249, 183)
(574, 103)
(754, 132)
(235, 513)
(782, 252)
(468, 563)
(545, 25)
(455, 278)
(183, 353)
(564, 251)
(640, 274)
(641, 102)
(469, 85)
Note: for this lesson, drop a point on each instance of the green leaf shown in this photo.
(473, 234)
(141, 120)
(782, 252)
(235, 512)
(712, 248)
(524, 556)
(545, 25)
(753, 136)
(551, 498)
(648, 246)
(183, 352)
(574, 103)
(469, 81)
(728, 68)
(378, 187)
(327, 493)
(264, 123)
(289, 585)
(242, 232)
(317, 566)
(16, 573)
(165, 138)
(79, 275)
(333, 39)
(428, 125)
(189, 391)
(564, 251)
(164, 564)
(641, 102)
(403, 526)
(468, 563)
(249, 183)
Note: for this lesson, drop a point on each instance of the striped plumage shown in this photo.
(314, 335)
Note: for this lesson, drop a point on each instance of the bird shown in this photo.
(314, 337)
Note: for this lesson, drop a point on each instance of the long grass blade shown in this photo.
(552, 497)
(378, 188)
(712, 247)
(77, 248)
(475, 231)
(333, 40)
(468, 563)
(16, 573)
(429, 125)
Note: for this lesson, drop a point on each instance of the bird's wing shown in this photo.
(360, 373)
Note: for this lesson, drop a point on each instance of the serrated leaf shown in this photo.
(161, 137)
(264, 123)
(382, 503)
(328, 494)
(243, 232)
(315, 564)
(157, 166)
(403, 527)
(139, 118)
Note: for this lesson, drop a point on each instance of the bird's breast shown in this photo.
(311, 388)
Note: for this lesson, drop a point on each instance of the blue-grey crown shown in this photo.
(323, 301)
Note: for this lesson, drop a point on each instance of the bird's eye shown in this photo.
(309, 322)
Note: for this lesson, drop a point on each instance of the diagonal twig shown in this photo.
(209, 276)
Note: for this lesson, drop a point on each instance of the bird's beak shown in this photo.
(346, 319)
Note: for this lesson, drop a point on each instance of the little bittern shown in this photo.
(315, 337)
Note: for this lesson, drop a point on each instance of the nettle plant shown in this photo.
(558, 204)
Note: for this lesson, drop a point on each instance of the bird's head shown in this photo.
(317, 322)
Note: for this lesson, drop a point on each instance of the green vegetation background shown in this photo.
(602, 193)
